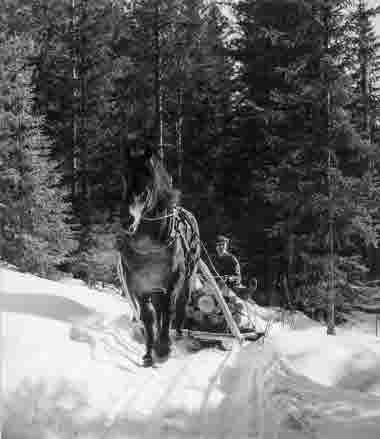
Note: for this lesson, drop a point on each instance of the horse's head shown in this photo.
(138, 183)
(146, 187)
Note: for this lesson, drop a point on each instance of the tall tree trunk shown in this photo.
(331, 286)
(159, 120)
(364, 67)
(81, 153)
(290, 257)
(179, 137)
(84, 155)
(74, 121)
(326, 144)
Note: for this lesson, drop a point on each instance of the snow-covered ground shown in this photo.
(71, 369)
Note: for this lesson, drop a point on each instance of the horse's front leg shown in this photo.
(180, 296)
(147, 317)
(162, 345)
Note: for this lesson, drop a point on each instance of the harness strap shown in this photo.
(131, 300)
(190, 246)
(172, 217)
(158, 218)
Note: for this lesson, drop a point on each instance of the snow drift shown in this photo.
(71, 369)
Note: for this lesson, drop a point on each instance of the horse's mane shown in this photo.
(164, 194)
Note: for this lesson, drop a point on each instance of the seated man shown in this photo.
(228, 268)
(226, 264)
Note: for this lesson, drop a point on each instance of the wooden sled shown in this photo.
(233, 332)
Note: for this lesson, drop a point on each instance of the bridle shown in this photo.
(172, 233)
(148, 208)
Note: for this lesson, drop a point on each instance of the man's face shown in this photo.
(221, 247)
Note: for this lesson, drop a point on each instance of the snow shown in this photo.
(71, 368)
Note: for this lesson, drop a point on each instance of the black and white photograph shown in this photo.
(190, 219)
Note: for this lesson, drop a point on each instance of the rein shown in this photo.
(157, 218)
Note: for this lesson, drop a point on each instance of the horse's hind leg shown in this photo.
(147, 317)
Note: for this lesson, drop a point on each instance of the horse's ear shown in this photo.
(148, 154)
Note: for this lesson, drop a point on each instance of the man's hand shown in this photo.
(231, 279)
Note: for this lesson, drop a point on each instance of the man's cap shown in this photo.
(222, 239)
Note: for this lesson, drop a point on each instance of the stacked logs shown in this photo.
(204, 313)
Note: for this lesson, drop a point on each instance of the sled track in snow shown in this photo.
(201, 392)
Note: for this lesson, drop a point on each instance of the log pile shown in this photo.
(204, 313)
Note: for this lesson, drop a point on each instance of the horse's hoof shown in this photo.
(147, 361)
(162, 349)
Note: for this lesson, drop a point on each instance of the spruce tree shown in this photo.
(35, 231)
(365, 105)
(300, 143)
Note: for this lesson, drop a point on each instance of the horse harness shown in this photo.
(177, 228)
(178, 220)
(180, 227)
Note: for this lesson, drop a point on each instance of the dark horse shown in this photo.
(159, 250)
